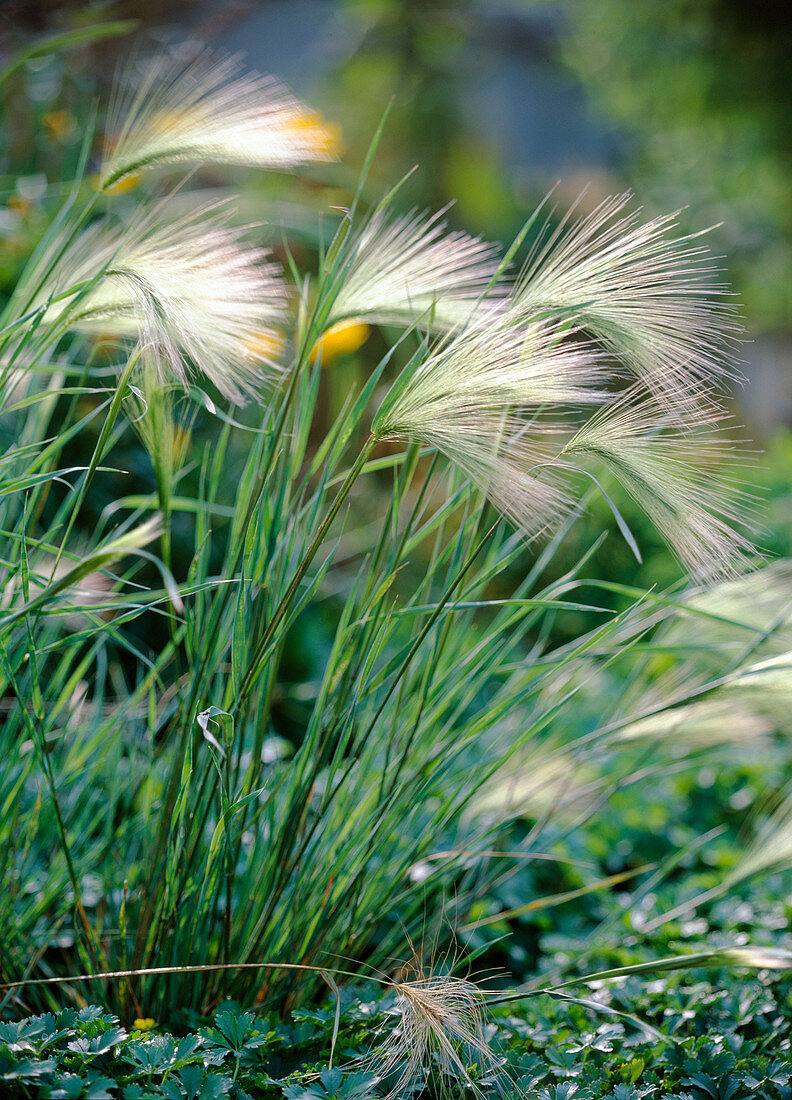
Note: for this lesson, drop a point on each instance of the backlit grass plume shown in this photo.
(412, 267)
(497, 398)
(751, 615)
(189, 287)
(204, 112)
(669, 465)
(771, 848)
(540, 783)
(477, 398)
(704, 723)
(652, 299)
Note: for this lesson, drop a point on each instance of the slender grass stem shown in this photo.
(52, 787)
(261, 651)
(99, 450)
(198, 968)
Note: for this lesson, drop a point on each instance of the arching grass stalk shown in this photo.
(198, 968)
(753, 957)
(99, 449)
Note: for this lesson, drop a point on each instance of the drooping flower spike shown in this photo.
(205, 112)
(442, 1028)
(478, 399)
(189, 288)
(650, 298)
(669, 463)
(771, 848)
(412, 267)
(499, 400)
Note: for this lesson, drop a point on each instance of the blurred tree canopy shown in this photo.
(703, 89)
(688, 102)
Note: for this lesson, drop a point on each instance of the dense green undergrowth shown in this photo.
(708, 1036)
(703, 1034)
(712, 1040)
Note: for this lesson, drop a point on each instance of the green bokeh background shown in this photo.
(687, 104)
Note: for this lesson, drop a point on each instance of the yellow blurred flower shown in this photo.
(144, 1023)
(60, 125)
(324, 136)
(120, 187)
(341, 338)
(19, 205)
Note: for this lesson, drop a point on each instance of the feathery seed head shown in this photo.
(478, 399)
(771, 849)
(411, 267)
(765, 685)
(441, 1027)
(483, 398)
(492, 365)
(538, 784)
(650, 299)
(204, 112)
(667, 461)
(189, 289)
(757, 957)
(702, 724)
(760, 603)
(264, 345)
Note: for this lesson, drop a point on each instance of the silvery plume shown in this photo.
(401, 269)
(204, 111)
(188, 286)
(504, 394)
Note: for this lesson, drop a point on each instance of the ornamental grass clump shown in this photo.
(181, 810)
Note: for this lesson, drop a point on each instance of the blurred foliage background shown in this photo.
(687, 103)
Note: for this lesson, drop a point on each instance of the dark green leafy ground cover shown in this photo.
(716, 1037)
(699, 1034)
